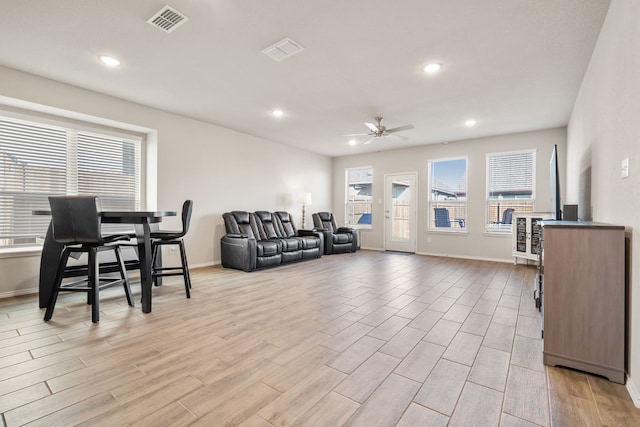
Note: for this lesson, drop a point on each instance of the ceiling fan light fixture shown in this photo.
(432, 68)
(379, 131)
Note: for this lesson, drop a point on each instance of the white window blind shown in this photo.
(510, 187)
(38, 160)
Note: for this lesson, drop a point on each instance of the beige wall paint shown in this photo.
(476, 243)
(220, 169)
(603, 130)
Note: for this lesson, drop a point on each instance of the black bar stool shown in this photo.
(76, 224)
(166, 237)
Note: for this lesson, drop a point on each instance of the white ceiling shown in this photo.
(513, 65)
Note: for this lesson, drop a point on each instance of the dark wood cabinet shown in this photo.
(583, 297)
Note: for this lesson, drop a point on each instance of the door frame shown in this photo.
(413, 212)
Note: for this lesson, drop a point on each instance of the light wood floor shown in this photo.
(365, 339)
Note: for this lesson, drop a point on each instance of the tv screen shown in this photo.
(554, 180)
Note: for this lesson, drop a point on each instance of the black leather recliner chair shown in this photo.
(336, 239)
(258, 240)
(243, 247)
(290, 248)
(312, 242)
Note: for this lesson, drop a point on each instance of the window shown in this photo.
(38, 160)
(448, 194)
(510, 187)
(358, 193)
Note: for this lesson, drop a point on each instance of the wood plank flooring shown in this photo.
(364, 339)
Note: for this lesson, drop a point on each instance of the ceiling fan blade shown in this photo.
(369, 140)
(397, 137)
(373, 127)
(356, 134)
(400, 128)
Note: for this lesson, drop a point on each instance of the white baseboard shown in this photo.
(634, 392)
(204, 264)
(504, 260)
(17, 293)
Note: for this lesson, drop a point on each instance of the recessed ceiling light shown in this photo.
(432, 68)
(352, 142)
(470, 123)
(277, 113)
(110, 61)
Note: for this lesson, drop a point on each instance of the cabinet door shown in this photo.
(584, 299)
(534, 235)
(526, 234)
(521, 244)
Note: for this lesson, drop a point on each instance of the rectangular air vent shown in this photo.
(167, 19)
(282, 49)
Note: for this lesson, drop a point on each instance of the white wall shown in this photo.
(476, 243)
(603, 130)
(220, 169)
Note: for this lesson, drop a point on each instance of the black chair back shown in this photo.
(165, 237)
(325, 220)
(187, 208)
(507, 216)
(241, 222)
(266, 224)
(76, 219)
(441, 216)
(286, 227)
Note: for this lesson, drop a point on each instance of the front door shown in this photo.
(400, 212)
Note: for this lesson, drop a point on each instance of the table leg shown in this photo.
(144, 254)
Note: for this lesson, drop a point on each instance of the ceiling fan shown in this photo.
(377, 130)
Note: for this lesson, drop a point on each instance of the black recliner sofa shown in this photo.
(263, 239)
(336, 239)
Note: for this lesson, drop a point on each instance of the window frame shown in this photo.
(347, 203)
(492, 227)
(75, 123)
(459, 228)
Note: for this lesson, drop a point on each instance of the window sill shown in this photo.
(498, 234)
(449, 232)
(26, 251)
(360, 226)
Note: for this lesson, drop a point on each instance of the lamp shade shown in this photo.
(304, 198)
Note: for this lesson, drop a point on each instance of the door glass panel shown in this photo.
(400, 210)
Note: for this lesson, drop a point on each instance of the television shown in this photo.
(554, 181)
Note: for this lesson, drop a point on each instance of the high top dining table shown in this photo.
(142, 221)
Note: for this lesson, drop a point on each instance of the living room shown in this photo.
(223, 169)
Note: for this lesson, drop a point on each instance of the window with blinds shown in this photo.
(39, 160)
(510, 187)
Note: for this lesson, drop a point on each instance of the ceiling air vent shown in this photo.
(167, 19)
(282, 49)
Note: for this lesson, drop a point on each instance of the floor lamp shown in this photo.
(304, 199)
